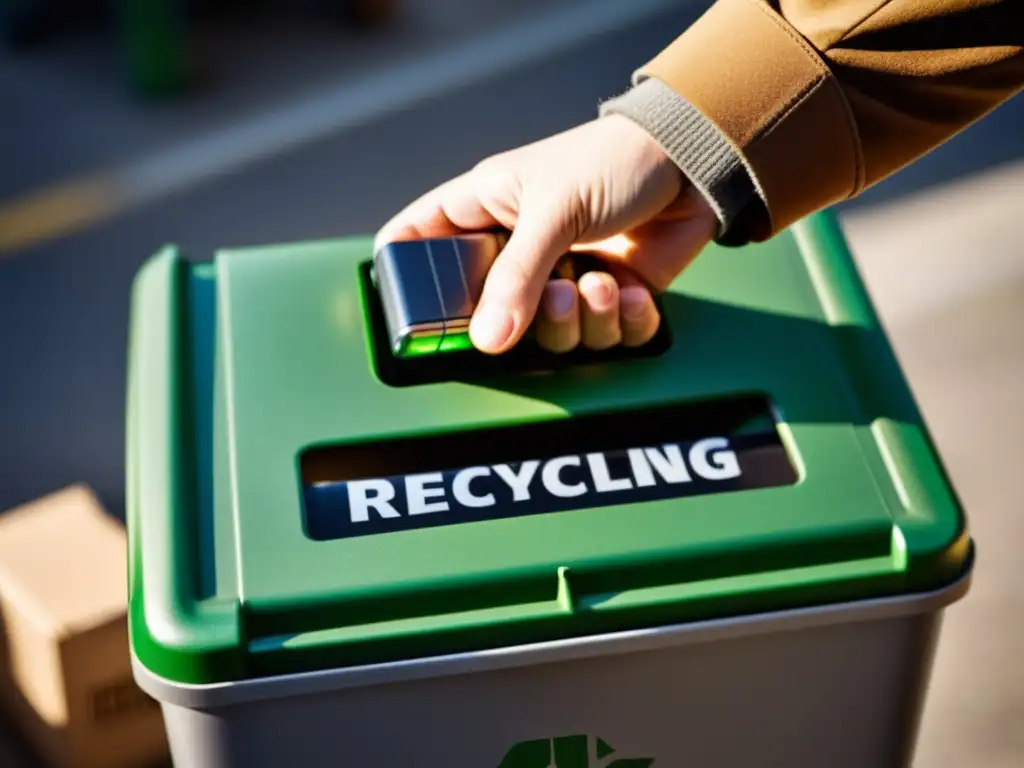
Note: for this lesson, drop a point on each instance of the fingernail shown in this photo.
(559, 298)
(599, 292)
(634, 302)
(490, 327)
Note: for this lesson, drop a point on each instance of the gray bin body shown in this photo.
(840, 687)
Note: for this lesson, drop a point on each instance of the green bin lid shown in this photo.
(770, 456)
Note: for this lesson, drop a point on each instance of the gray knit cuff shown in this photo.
(694, 143)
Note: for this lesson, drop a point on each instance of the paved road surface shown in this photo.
(63, 311)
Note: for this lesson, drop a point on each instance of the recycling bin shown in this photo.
(732, 547)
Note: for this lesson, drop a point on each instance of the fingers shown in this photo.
(517, 278)
(558, 322)
(638, 317)
(600, 311)
(599, 324)
(455, 206)
(617, 309)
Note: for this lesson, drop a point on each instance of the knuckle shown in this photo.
(491, 169)
(498, 184)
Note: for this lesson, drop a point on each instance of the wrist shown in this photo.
(704, 156)
(646, 156)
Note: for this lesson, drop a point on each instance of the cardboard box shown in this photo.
(65, 668)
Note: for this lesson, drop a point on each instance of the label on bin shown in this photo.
(631, 473)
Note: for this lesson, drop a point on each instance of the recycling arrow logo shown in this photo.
(577, 751)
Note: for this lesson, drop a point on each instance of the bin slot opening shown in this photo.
(559, 465)
(462, 362)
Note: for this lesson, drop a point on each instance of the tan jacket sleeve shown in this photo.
(822, 98)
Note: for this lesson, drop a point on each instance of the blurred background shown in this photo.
(125, 124)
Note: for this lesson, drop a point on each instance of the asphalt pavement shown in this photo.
(945, 269)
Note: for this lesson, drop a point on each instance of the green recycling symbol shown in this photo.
(568, 752)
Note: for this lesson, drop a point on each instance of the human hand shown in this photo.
(605, 186)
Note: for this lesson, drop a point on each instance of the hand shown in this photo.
(605, 186)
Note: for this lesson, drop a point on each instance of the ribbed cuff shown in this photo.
(694, 143)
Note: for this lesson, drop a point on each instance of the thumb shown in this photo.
(516, 281)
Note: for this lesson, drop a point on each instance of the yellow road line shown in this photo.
(66, 208)
(56, 211)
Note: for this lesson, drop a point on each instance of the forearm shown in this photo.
(775, 114)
